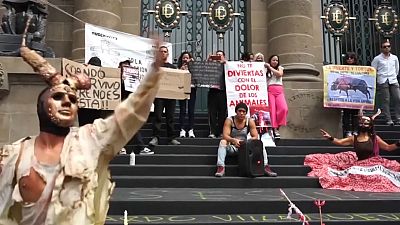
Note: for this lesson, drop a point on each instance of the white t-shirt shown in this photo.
(274, 80)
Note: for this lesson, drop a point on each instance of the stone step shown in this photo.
(197, 170)
(279, 150)
(277, 219)
(210, 159)
(203, 201)
(201, 159)
(282, 142)
(145, 181)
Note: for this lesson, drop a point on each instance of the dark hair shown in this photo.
(124, 62)
(270, 58)
(223, 53)
(350, 55)
(246, 56)
(163, 46)
(384, 42)
(95, 61)
(180, 63)
(241, 105)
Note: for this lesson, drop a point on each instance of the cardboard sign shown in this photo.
(175, 84)
(105, 91)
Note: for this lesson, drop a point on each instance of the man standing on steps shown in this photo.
(216, 100)
(387, 69)
(169, 105)
(140, 147)
(234, 134)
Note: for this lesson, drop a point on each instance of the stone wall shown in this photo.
(18, 98)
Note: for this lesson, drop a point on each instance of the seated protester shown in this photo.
(236, 129)
(361, 169)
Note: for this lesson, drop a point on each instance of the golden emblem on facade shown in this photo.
(167, 14)
(336, 18)
(386, 20)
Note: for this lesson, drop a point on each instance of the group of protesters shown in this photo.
(217, 107)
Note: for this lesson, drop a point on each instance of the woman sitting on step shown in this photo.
(361, 169)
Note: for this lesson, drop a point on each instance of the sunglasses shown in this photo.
(386, 46)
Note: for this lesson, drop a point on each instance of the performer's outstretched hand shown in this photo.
(158, 60)
(325, 134)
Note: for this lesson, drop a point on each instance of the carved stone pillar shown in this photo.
(104, 13)
(290, 35)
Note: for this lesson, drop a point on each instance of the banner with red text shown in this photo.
(245, 82)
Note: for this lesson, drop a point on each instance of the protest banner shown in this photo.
(351, 87)
(113, 46)
(246, 82)
(175, 84)
(206, 74)
(105, 90)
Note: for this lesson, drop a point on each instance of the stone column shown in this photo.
(290, 35)
(104, 13)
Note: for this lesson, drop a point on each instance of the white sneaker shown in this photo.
(146, 151)
(182, 134)
(122, 151)
(191, 133)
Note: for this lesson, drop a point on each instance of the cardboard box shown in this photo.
(175, 84)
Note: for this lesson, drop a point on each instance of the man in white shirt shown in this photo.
(387, 68)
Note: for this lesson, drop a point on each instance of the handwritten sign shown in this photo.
(206, 74)
(105, 91)
(175, 84)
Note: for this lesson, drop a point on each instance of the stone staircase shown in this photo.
(177, 186)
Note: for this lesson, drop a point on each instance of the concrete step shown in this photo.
(204, 201)
(209, 159)
(240, 219)
(201, 159)
(215, 182)
(197, 170)
(279, 150)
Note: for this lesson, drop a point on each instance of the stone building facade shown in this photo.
(291, 28)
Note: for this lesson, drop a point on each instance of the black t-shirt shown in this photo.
(169, 65)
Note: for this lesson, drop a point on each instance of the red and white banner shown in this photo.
(245, 82)
(344, 171)
(393, 176)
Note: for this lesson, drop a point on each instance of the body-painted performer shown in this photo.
(361, 169)
(61, 177)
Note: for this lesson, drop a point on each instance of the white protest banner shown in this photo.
(105, 90)
(245, 82)
(393, 176)
(113, 46)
